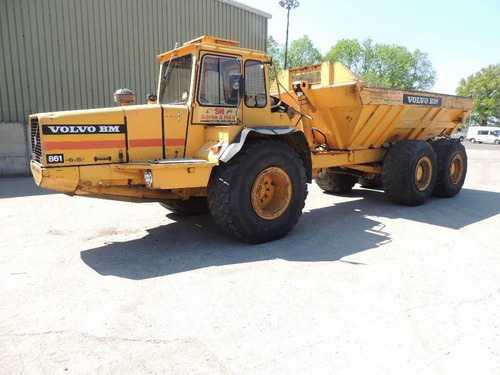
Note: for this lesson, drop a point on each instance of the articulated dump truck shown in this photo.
(218, 137)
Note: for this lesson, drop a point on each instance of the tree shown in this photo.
(385, 65)
(302, 53)
(484, 87)
(350, 53)
(276, 51)
(422, 73)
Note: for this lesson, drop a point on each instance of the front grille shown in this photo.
(36, 144)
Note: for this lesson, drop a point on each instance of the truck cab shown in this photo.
(207, 89)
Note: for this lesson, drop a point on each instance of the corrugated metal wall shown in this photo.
(73, 54)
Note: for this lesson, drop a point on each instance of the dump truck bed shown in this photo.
(346, 114)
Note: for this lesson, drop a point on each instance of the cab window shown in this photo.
(176, 80)
(214, 81)
(255, 84)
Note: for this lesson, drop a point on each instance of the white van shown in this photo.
(484, 134)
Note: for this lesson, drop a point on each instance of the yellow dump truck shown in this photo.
(215, 138)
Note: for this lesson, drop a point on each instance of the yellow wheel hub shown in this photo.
(423, 174)
(456, 169)
(271, 193)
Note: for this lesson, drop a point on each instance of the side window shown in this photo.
(255, 84)
(214, 80)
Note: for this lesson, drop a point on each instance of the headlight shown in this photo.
(148, 177)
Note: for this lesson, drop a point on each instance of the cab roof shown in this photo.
(211, 43)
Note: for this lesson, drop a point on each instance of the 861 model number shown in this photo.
(55, 158)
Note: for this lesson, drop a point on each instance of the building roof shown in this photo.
(246, 7)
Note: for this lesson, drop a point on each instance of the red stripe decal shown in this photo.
(81, 145)
(87, 145)
(175, 142)
(155, 142)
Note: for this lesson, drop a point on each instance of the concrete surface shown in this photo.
(360, 286)
(14, 149)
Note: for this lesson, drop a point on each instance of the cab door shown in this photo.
(256, 101)
(175, 119)
(214, 105)
(174, 94)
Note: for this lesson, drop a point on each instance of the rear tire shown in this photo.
(189, 207)
(472, 140)
(259, 195)
(409, 174)
(451, 167)
(335, 183)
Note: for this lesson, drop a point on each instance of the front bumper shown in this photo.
(64, 180)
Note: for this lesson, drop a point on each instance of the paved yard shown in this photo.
(360, 286)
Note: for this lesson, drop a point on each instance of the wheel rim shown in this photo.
(423, 173)
(456, 168)
(271, 193)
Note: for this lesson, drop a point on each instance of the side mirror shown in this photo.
(236, 87)
(152, 98)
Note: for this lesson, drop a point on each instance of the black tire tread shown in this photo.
(445, 150)
(397, 175)
(219, 191)
(371, 183)
(335, 182)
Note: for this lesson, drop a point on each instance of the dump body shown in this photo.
(348, 115)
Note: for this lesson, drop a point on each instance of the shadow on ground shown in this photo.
(15, 187)
(324, 234)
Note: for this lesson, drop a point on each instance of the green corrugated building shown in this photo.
(73, 54)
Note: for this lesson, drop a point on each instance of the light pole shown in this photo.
(288, 4)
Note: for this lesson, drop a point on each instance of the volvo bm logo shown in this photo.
(82, 129)
(422, 100)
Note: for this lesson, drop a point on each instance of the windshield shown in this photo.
(176, 80)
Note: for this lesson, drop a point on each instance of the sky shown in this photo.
(460, 36)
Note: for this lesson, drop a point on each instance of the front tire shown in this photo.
(409, 173)
(452, 167)
(258, 196)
